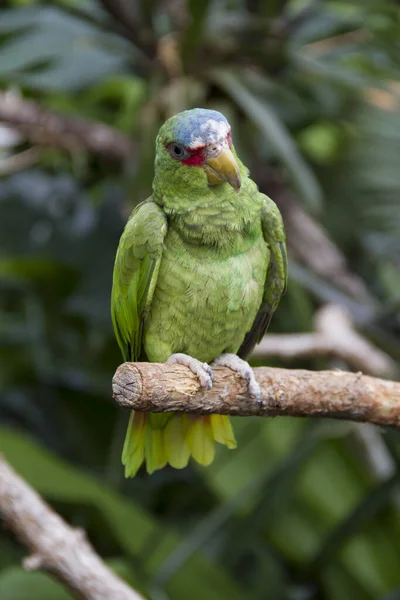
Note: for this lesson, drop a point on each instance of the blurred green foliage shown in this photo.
(301, 511)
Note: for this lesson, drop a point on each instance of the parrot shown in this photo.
(200, 269)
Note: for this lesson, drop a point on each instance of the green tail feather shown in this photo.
(133, 450)
(160, 439)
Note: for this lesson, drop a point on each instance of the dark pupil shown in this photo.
(177, 150)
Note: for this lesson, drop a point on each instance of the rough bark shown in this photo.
(160, 387)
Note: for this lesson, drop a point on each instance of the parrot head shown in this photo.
(195, 147)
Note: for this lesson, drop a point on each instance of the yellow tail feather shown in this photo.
(199, 439)
(160, 439)
(222, 431)
(174, 438)
(156, 457)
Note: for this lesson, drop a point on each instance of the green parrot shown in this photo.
(199, 271)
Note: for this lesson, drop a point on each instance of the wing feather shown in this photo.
(276, 280)
(135, 275)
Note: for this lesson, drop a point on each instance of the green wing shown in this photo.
(135, 275)
(276, 280)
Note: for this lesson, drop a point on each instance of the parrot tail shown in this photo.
(168, 438)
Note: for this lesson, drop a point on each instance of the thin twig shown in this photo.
(56, 547)
(355, 37)
(160, 387)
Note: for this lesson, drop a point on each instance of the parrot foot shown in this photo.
(242, 368)
(203, 371)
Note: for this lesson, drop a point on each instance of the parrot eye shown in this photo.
(177, 151)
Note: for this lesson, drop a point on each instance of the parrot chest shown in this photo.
(205, 301)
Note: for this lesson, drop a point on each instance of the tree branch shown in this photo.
(56, 547)
(334, 336)
(20, 161)
(45, 127)
(160, 387)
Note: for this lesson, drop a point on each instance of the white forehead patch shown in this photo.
(210, 131)
(214, 130)
(196, 142)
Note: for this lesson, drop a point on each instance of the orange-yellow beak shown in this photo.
(221, 167)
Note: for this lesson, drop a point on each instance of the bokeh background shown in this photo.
(302, 510)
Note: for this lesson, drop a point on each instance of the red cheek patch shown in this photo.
(196, 158)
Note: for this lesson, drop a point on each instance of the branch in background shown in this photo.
(385, 99)
(340, 40)
(309, 242)
(56, 547)
(44, 127)
(160, 387)
(335, 336)
(20, 161)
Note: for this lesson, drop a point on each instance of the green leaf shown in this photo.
(353, 522)
(17, 584)
(331, 71)
(57, 51)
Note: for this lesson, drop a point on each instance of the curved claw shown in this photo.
(209, 370)
(255, 391)
(243, 369)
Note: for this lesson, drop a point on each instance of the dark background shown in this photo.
(302, 510)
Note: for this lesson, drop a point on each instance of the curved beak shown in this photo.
(222, 167)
